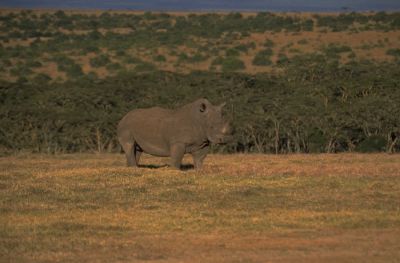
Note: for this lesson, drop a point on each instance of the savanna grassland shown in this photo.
(293, 83)
(60, 45)
(239, 208)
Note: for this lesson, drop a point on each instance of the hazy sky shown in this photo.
(209, 5)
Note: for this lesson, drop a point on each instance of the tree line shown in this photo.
(314, 105)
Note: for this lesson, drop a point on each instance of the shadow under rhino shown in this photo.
(184, 167)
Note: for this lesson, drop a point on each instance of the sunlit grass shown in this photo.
(51, 205)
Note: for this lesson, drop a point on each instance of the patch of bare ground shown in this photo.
(51, 69)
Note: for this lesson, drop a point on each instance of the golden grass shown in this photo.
(252, 208)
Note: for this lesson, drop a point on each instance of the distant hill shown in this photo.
(208, 5)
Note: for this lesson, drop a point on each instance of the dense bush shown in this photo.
(197, 57)
(232, 52)
(334, 48)
(229, 64)
(316, 105)
(131, 60)
(68, 65)
(374, 143)
(145, 66)
(269, 43)
(100, 61)
(113, 66)
(159, 58)
(263, 58)
(395, 52)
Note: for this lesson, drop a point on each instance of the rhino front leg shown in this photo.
(198, 157)
(129, 153)
(177, 152)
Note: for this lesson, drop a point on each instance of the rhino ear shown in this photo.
(203, 107)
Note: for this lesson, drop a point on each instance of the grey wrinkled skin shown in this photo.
(164, 132)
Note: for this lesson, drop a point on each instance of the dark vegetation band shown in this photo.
(315, 105)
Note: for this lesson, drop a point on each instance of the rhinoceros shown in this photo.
(173, 133)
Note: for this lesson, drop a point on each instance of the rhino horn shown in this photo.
(222, 105)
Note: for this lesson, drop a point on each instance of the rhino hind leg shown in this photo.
(132, 153)
(137, 151)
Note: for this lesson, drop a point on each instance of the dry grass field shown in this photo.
(240, 208)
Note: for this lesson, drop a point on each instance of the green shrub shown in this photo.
(21, 71)
(113, 66)
(308, 25)
(268, 43)
(373, 143)
(252, 45)
(352, 55)
(145, 66)
(91, 76)
(68, 65)
(99, 61)
(282, 59)
(395, 52)
(159, 58)
(94, 35)
(232, 52)
(90, 49)
(120, 53)
(232, 64)
(183, 57)
(302, 42)
(217, 61)
(198, 57)
(336, 49)
(74, 71)
(5, 63)
(316, 142)
(242, 48)
(294, 50)
(41, 78)
(33, 63)
(263, 58)
(131, 60)
(212, 68)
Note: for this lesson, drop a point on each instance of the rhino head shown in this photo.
(217, 129)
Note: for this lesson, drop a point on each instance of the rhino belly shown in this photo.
(151, 141)
(153, 147)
